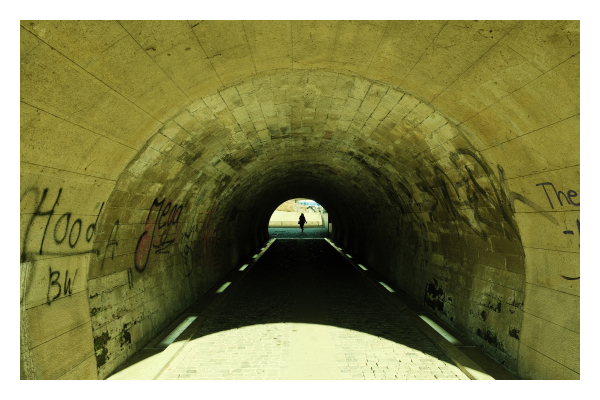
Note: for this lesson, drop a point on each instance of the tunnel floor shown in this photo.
(302, 312)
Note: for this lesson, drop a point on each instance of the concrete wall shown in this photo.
(289, 219)
(154, 153)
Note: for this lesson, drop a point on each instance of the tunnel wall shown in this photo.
(153, 154)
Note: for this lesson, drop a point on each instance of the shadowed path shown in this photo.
(303, 313)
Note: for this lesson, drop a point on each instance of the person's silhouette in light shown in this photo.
(302, 221)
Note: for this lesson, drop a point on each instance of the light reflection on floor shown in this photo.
(304, 351)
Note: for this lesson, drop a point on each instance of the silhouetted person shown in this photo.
(302, 221)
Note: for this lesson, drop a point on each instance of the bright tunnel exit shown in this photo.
(287, 214)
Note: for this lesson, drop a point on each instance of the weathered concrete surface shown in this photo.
(153, 154)
(289, 219)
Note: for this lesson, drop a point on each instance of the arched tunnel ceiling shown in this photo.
(358, 95)
(363, 139)
(424, 140)
(152, 70)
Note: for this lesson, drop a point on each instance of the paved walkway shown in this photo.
(303, 313)
(296, 233)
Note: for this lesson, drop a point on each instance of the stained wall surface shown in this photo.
(154, 153)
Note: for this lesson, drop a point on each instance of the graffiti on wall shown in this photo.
(160, 232)
(568, 198)
(55, 289)
(111, 244)
(479, 198)
(187, 251)
(65, 231)
(68, 233)
(570, 232)
(556, 198)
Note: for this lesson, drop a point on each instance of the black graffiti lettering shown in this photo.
(142, 252)
(57, 227)
(59, 232)
(38, 213)
(475, 199)
(92, 227)
(71, 242)
(499, 202)
(481, 200)
(36, 192)
(558, 196)
(112, 242)
(476, 204)
(159, 229)
(571, 233)
(49, 213)
(572, 194)
(68, 283)
(175, 215)
(161, 247)
(158, 204)
(164, 213)
(567, 197)
(571, 279)
(187, 253)
(53, 281)
(444, 182)
(543, 184)
(163, 243)
(65, 289)
(472, 201)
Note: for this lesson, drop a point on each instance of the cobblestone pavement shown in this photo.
(303, 313)
(296, 233)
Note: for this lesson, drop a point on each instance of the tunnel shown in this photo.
(153, 153)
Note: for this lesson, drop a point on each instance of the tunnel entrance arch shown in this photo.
(461, 156)
(433, 225)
